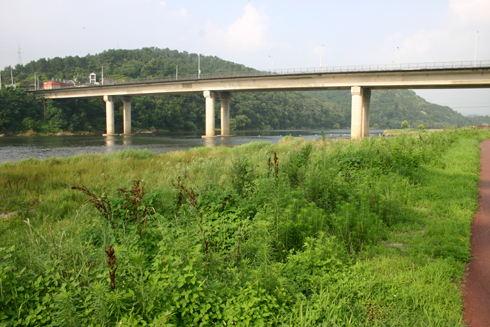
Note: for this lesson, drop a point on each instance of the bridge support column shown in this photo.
(109, 113)
(127, 114)
(210, 97)
(225, 113)
(366, 102)
(360, 112)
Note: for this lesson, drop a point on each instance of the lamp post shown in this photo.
(321, 52)
(272, 64)
(476, 41)
(102, 75)
(176, 72)
(398, 57)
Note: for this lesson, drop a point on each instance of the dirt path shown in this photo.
(477, 283)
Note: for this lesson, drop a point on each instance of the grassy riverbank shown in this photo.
(362, 233)
(412, 131)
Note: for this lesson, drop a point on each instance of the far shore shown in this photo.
(65, 133)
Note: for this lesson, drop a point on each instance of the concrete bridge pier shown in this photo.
(127, 114)
(366, 102)
(361, 98)
(225, 113)
(109, 112)
(210, 97)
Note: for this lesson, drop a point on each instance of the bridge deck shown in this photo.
(474, 77)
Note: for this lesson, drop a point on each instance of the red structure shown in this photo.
(52, 85)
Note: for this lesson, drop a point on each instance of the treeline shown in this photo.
(389, 108)
(276, 110)
(119, 65)
(21, 112)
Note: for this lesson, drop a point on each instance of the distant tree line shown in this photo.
(21, 112)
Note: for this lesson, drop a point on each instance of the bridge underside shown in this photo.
(360, 84)
(361, 97)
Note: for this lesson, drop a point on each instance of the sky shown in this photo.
(261, 33)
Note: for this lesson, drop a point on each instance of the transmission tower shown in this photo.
(19, 57)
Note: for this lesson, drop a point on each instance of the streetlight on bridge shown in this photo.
(272, 65)
(321, 52)
(476, 40)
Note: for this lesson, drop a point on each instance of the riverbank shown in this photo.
(413, 131)
(65, 133)
(370, 232)
(135, 131)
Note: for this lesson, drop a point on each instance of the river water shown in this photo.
(42, 147)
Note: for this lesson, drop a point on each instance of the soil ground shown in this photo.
(476, 289)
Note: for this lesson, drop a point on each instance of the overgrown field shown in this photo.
(347, 233)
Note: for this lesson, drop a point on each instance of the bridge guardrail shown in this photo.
(300, 71)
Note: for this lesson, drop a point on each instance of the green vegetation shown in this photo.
(349, 233)
(405, 124)
(276, 110)
(389, 108)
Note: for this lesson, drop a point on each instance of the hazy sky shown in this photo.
(249, 31)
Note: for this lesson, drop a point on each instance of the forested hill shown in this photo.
(277, 110)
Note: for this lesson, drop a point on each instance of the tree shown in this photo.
(405, 124)
(421, 127)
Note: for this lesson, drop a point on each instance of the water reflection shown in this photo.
(209, 141)
(127, 140)
(18, 148)
(110, 140)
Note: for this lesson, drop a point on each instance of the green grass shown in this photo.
(348, 233)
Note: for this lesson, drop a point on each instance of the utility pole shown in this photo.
(11, 77)
(102, 75)
(176, 72)
(198, 66)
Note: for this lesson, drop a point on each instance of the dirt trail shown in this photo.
(477, 282)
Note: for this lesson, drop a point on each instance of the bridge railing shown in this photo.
(300, 71)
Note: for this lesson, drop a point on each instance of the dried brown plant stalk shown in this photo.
(111, 260)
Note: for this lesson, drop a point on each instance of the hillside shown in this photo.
(272, 110)
(389, 108)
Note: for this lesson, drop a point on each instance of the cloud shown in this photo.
(470, 11)
(247, 34)
(182, 12)
(453, 39)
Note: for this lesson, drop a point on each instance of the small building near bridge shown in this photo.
(52, 85)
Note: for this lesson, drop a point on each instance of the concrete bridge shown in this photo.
(360, 80)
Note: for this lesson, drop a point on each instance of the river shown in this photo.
(42, 147)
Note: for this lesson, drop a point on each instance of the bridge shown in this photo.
(360, 80)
